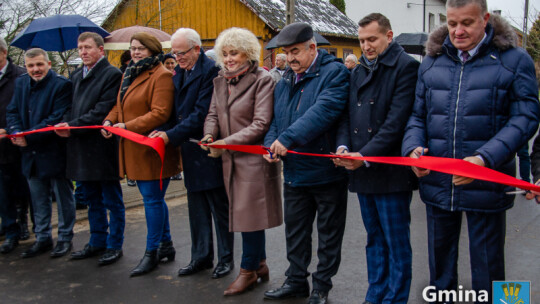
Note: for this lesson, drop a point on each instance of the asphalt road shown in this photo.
(46, 280)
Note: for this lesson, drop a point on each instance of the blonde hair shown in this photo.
(238, 39)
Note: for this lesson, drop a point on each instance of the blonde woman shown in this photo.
(240, 113)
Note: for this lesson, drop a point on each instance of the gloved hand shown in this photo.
(214, 152)
(206, 140)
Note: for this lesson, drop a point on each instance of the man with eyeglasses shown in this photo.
(203, 175)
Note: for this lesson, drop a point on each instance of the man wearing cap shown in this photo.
(307, 107)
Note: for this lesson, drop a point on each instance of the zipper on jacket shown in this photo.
(455, 128)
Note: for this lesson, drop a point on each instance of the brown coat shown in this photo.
(243, 118)
(147, 104)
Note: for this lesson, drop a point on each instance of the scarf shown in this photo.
(233, 77)
(135, 69)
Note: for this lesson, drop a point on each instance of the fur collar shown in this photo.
(504, 36)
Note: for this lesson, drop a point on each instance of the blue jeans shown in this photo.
(253, 249)
(156, 211)
(40, 190)
(387, 218)
(100, 197)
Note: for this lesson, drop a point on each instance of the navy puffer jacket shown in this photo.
(487, 106)
(306, 116)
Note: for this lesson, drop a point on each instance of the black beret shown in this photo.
(294, 33)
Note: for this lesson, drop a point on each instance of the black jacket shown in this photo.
(9, 153)
(91, 157)
(191, 103)
(380, 103)
(35, 106)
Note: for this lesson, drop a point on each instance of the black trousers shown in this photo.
(203, 205)
(486, 247)
(302, 204)
(14, 198)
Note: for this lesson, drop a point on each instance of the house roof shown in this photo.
(324, 17)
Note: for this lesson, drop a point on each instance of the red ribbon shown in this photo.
(440, 164)
(155, 143)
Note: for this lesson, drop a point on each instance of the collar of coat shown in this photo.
(100, 65)
(389, 57)
(322, 59)
(178, 78)
(499, 32)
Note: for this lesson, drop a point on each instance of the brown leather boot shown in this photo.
(263, 272)
(245, 280)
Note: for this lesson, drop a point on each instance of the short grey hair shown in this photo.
(352, 57)
(32, 53)
(238, 39)
(461, 3)
(282, 56)
(3, 44)
(310, 42)
(193, 38)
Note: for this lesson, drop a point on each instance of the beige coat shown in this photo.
(147, 104)
(242, 118)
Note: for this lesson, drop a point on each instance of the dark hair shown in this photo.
(149, 41)
(95, 36)
(167, 56)
(461, 3)
(126, 56)
(384, 23)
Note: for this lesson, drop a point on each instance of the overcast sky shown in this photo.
(513, 10)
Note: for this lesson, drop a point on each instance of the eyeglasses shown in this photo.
(140, 49)
(181, 54)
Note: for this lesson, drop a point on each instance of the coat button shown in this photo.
(371, 101)
(369, 130)
(179, 117)
(355, 130)
(359, 104)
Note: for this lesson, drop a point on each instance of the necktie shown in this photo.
(186, 75)
(299, 76)
(465, 56)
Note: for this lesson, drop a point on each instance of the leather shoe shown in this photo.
(194, 267)
(148, 263)
(87, 252)
(318, 297)
(38, 248)
(61, 249)
(222, 269)
(263, 272)
(166, 250)
(110, 256)
(246, 280)
(9, 245)
(287, 291)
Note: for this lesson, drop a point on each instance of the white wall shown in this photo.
(403, 19)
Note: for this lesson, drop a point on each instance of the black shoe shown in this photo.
(61, 249)
(194, 267)
(131, 183)
(318, 297)
(38, 248)
(166, 250)
(148, 263)
(287, 291)
(9, 245)
(222, 269)
(177, 176)
(25, 234)
(87, 252)
(110, 256)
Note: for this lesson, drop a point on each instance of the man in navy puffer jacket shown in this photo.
(477, 100)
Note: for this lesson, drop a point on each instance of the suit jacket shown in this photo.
(37, 105)
(380, 103)
(9, 153)
(191, 102)
(91, 157)
(146, 106)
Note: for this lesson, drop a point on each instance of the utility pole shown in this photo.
(525, 22)
(290, 12)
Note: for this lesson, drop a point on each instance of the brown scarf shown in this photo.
(233, 77)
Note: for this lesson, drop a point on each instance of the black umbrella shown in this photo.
(413, 43)
(272, 44)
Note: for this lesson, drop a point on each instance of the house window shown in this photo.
(431, 22)
(347, 52)
(442, 19)
(332, 51)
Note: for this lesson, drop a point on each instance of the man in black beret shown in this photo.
(307, 106)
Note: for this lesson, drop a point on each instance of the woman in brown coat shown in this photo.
(144, 103)
(240, 114)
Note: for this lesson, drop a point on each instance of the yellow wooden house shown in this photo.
(265, 18)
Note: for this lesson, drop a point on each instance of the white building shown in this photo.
(406, 16)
